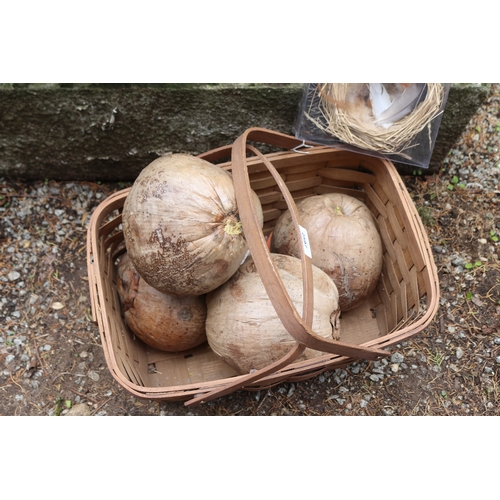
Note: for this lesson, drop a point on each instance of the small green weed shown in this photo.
(474, 265)
(60, 405)
(493, 235)
(426, 216)
(455, 182)
(436, 357)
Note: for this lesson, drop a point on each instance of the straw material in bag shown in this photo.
(403, 303)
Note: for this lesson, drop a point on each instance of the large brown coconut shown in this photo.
(181, 225)
(164, 321)
(344, 242)
(243, 327)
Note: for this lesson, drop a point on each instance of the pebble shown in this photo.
(13, 275)
(459, 353)
(93, 375)
(397, 358)
(79, 410)
(439, 249)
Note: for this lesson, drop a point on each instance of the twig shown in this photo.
(20, 387)
(85, 396)
(42, 364)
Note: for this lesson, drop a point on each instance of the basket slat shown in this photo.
(340, 174)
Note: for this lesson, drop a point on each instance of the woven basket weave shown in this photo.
(403, 303)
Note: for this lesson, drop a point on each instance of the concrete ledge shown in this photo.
(111, 132)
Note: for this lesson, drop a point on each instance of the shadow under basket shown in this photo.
(403, 304)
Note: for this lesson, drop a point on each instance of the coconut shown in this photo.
(344, 242)
(164, 321)
(181, 225)
(243, 327)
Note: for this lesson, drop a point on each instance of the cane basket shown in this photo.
(403, 304)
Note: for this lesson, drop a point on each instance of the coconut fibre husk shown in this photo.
(345, 112)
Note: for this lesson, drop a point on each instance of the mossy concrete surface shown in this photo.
(102, 132)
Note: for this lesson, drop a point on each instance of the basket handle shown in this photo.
(298, 328)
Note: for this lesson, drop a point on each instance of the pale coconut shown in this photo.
(181, 225)
(243, 327)
(344, 242)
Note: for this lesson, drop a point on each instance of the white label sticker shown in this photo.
(305, 240)
(245, 257)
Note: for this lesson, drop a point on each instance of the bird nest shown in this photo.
(347, 112)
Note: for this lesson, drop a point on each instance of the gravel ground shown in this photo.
(52, 363)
